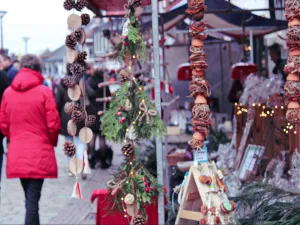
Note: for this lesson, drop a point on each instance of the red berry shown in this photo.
(146, 184)
(144, 178)
(147, 190)
(120, 108)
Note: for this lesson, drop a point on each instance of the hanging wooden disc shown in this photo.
(72, 128)
(74, 93)
(86, 135)
(71, 55)
(76, 165)
(74, 21)
(83, 36)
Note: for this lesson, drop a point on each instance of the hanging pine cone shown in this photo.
(128, 152)
(85, 19)
(139, 220)
(78, 116)
(78, 34)
(90, 120)
(69, 4)
(71, 41)
(124, 75)
(82, 57)
(69, 107)
(69, 148)
(81, 4)
(77, 70)
(69, 81)
(77, 107)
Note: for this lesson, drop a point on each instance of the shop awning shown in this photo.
(230, 23)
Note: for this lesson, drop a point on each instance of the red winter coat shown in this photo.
(30, 120)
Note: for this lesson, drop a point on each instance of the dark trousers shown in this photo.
(32, 189)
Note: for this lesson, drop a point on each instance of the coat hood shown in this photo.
(27, 79)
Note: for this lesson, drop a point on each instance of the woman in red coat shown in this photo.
(30, 120)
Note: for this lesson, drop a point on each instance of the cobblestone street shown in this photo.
(56, 204)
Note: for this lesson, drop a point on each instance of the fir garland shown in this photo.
(114, 130)
(268, 205)
(133, 44)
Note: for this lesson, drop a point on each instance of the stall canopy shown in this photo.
(112, 7)
(228, 21)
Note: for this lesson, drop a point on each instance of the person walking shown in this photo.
(30, 120)
(4, 83)
(93, 107)
(62, 97)
(9, 68)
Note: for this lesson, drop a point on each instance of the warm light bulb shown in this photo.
(282, 107)
(272, 111)
(288, 124)
(268, 112)
(264, 107)
(291, 127)
(253, 104)
(133, 56)
(259, 104)
(235, 103)
(295, 132)
(276, 106)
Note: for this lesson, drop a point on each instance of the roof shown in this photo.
(57, 55)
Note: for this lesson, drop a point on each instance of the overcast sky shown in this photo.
(44, 21)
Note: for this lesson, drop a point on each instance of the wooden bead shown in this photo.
(293, 105)
(199, 73)
(294, 52)
(197, 42)
(198, 136)
(200, 99)
(294, 22)
(293, 77)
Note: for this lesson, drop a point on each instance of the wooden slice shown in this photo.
(71, 55)
(200, 99)
(72, 128)
(83, 38)
(293, 77)
(74, 21)
(74, 93)
(86, 135)
(76, 165)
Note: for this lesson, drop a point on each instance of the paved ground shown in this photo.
(56, 205)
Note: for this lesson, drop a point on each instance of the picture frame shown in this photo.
(251, 159)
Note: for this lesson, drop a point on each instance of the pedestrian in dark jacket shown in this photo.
(30, 120)
(9, 68)
(4, 83)
(61, 97)
(93, 107)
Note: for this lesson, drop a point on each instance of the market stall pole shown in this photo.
(159, 159)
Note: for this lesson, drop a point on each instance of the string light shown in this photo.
(282, 107)
(295, 132)
(264, 107)
(259, 104)
(253, 104)
(235, 103)
(276, 106)
(133, 56)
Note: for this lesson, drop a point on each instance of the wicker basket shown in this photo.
(174, 157)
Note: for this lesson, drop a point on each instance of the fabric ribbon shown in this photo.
(147, 112)
(86, 166)
(115, 186)
(77, 191)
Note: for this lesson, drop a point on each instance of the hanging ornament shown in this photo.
(86, 135)
(77, 70)
(90, 120)
(74, 21)
(71, 41)
(139, 220)
(86, 169)
(131, 135)
(131, 207)
(82, 57)
(81, 4)
(128, 105)
(71, 55)
(74, 93)
(77, 191)
(128, 151)
(72, 128)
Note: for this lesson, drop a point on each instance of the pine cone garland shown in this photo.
(69, 108)
(69, 148)
(77, 70)
(78, 116)
(69, 81)
(78, 34)
(85, 19)
(136, 3)
(82, 57)
(90, 120)
(139, 220)
(128, 152)
(71, 41)
(81, 4)
(69, 4)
